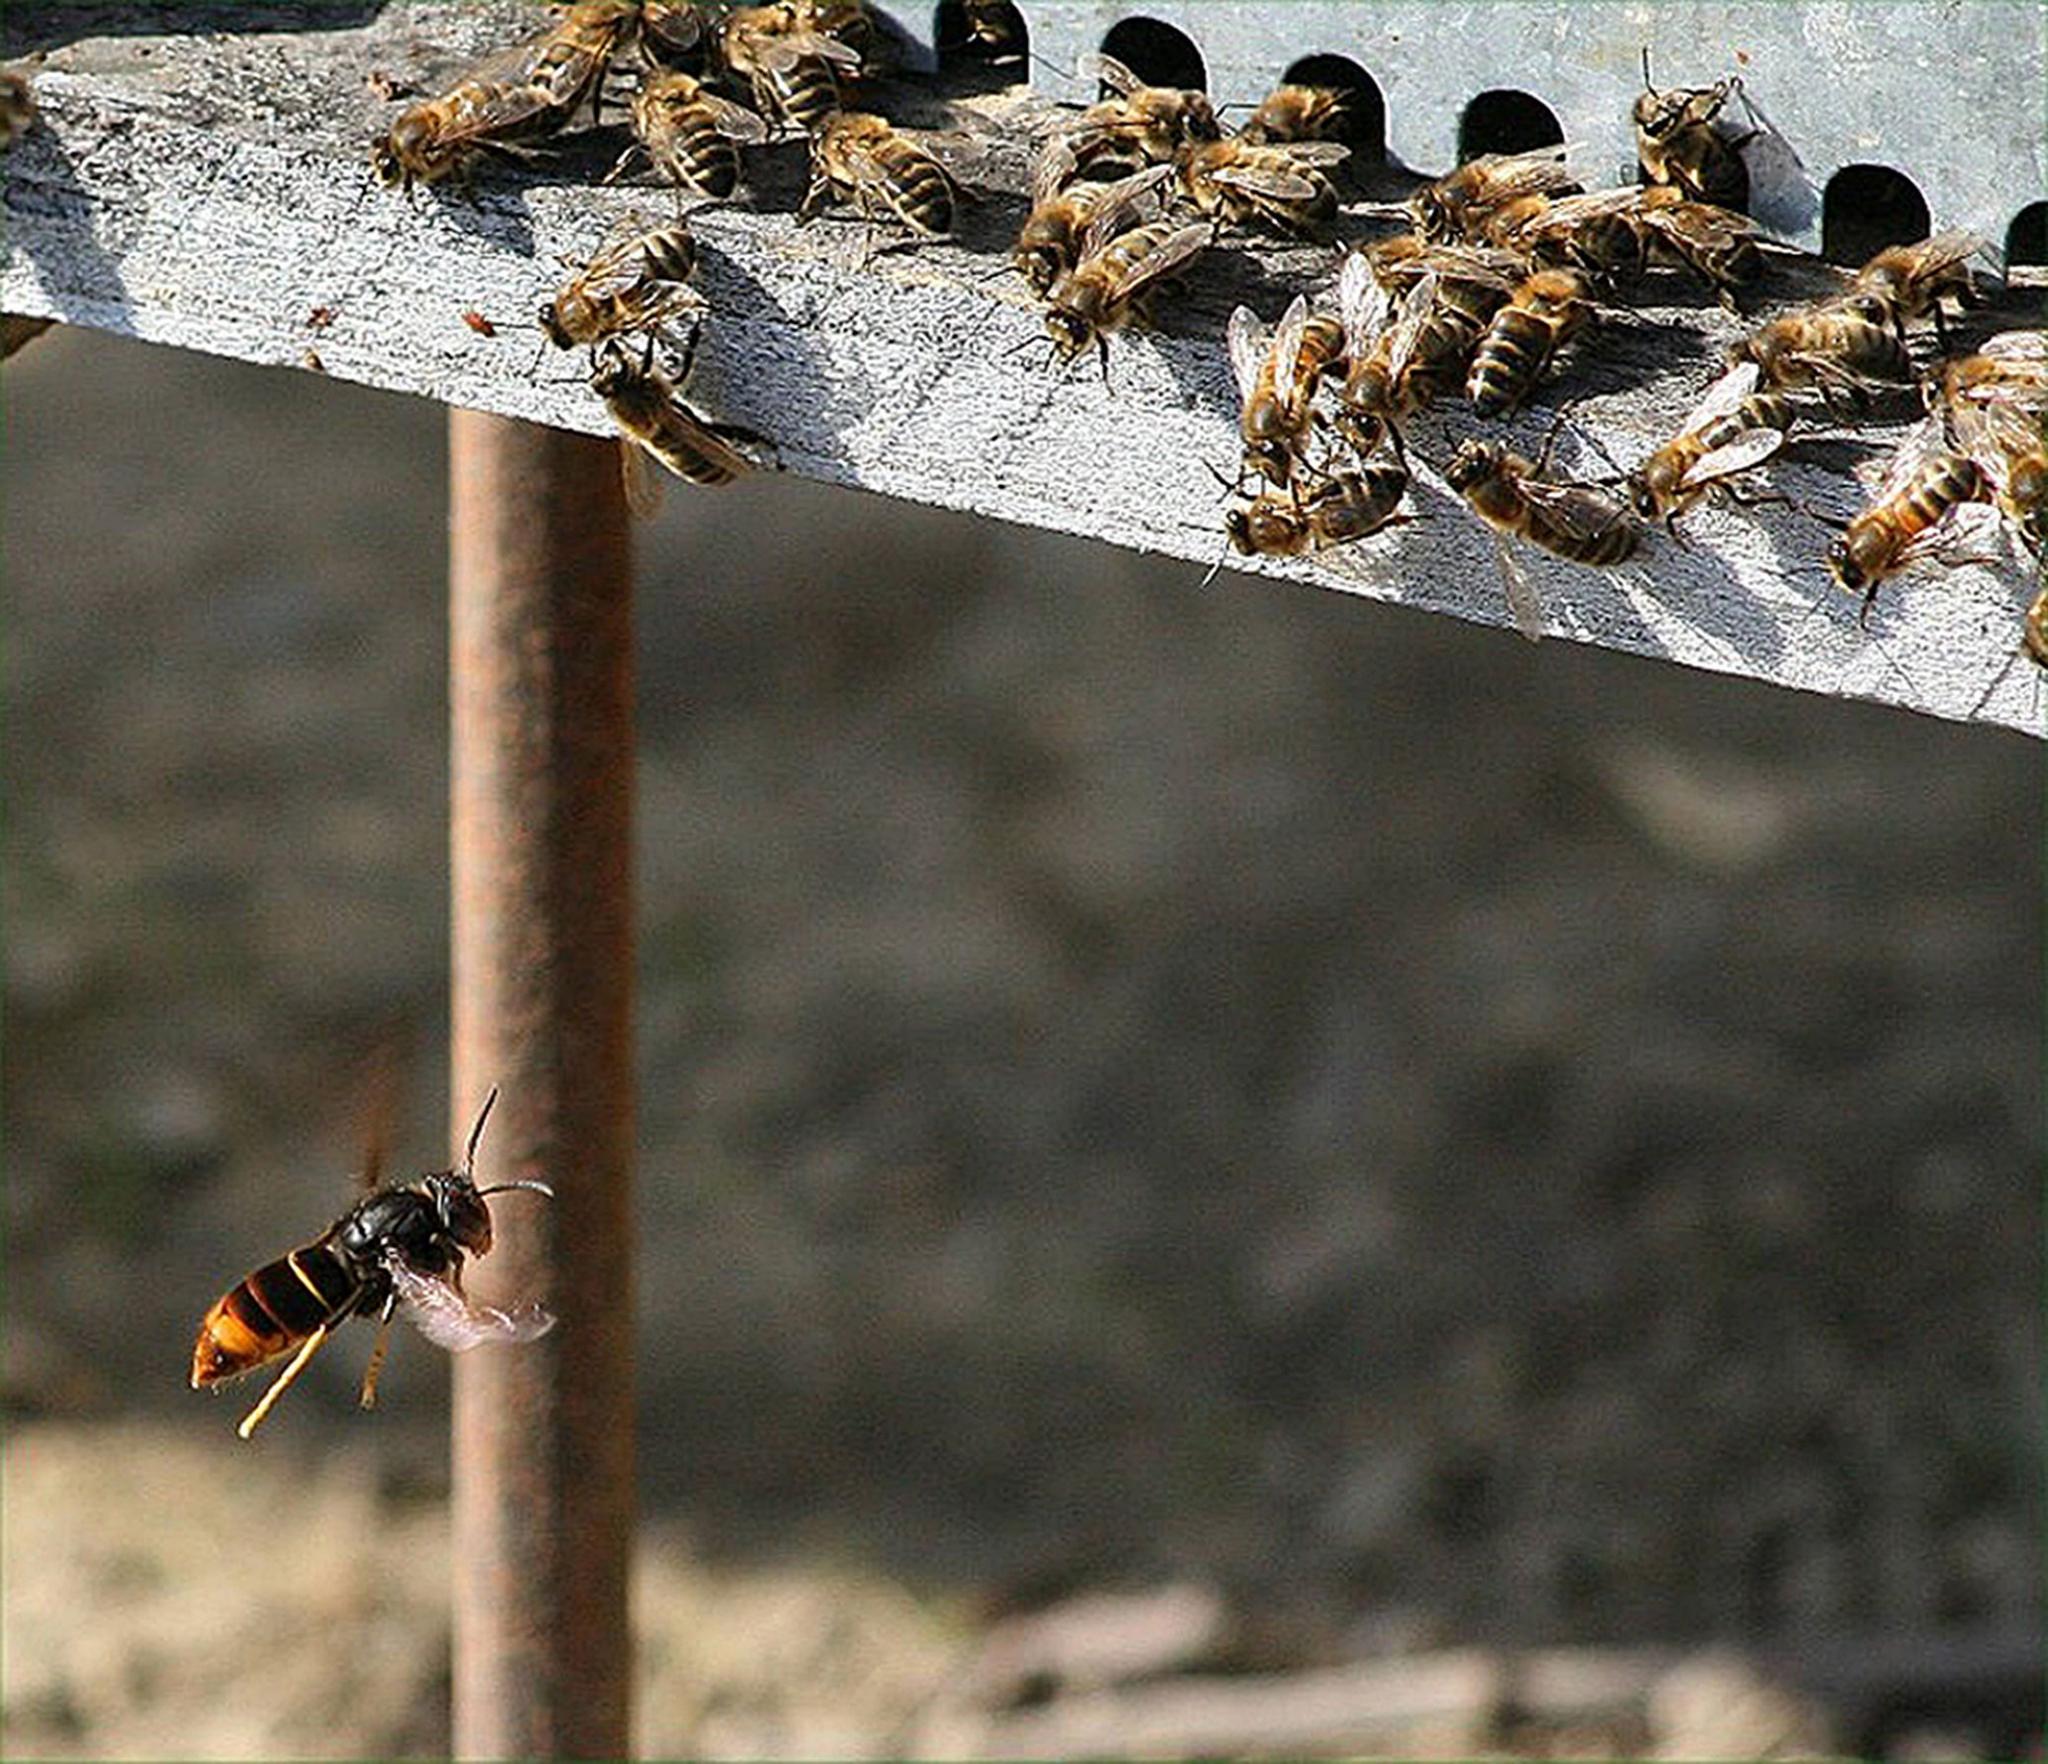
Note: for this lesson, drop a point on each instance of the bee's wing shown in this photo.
(735, 121)
(959, 155)
(781, 52)
(1575, 509)
(1276, 181)
(1057, 164)
(1315, 152)
(449, 1320)
(1411, 321)
(1751, 448)
(1118, 203)
(1995, 435)
(1113, 74)
(1170, 254)
(1523, 600)
(1246, 339)
(1594, 204)
(643, 489)
(1287, 342)
(1362, 304)
(2017, 347)
(1887, 477)
(1723, 396)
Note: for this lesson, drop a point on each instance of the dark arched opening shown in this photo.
(1365, 107)
(1157, 53)
(2026, 240)
(1866, 208)
(1505, 121)
(988, 33)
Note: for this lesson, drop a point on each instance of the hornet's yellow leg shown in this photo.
(254, 1418)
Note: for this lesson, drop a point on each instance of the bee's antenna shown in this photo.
(477, 1132)
(536, 1187)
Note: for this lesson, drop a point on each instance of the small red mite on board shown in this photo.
(479, 324)
(320, 318)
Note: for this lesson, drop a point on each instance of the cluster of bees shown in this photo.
(1492, 285)
(697, 85)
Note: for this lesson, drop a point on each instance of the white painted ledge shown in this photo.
(211, 192)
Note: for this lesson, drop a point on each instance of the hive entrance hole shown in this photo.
(1505, 121)
(1866, 208)
(1157, 53)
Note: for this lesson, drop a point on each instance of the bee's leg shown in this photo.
(1102, 353)
(1940, 326)
(626, 158)
(254, 1418)
(376, 1365)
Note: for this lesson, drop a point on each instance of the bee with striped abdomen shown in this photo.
(1112, 279)
(1571, 521)
(690, 135)
(1322, 511)
(887, 174)
(796, 71)
(1827, 346)
(1543, 314)
(1904, 282)
(1916, 514)
(1454, 208)
(657, 422)
(1063, 209)
(1734, 429)
(400, 1248)
(1282, 187)
(1276, 383)
(635, 281)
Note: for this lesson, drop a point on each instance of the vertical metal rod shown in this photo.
(541, 696)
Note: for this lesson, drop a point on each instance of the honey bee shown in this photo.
(17, 106)
(672, 35)
(1685, 143)
(1716, 244)
(634, 281)
(1402, 355)
(1110, 282)
(2010, 368)
(886, 174)
(1049, 242)
(569, 62)
(400, 1248)
(1825, 345)
(1277, 381)
(1734, 429)
(794, 69)
(1914, 515)
(1596, 234)
(492, 110)
(1147, 125)
(1905, 282)
(1514, 499)
(2010, 445)
(1336, 508)
(1453, 209)
(1542, 315)
(690, 135)
(656, 422)
(1301, 113)
(1283, 187)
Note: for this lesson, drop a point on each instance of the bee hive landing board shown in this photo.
(212, 192)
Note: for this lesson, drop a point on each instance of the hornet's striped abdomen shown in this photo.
(271, 1312)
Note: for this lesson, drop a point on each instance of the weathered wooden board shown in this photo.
(210, 190)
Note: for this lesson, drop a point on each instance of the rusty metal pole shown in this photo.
(541, 696)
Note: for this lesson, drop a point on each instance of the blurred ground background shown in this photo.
(1401, 1141)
